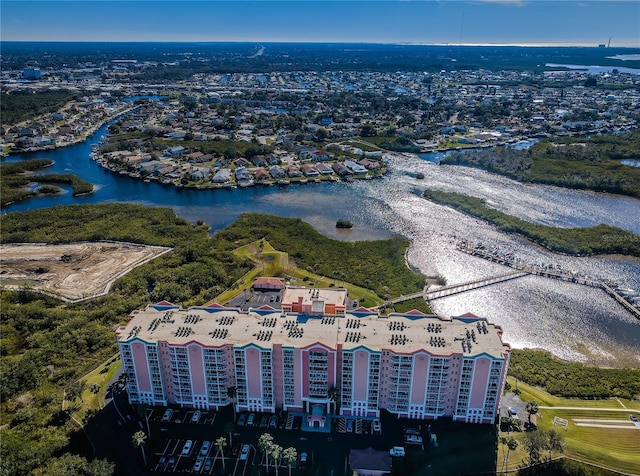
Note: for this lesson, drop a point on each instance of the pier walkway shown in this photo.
(468, 286)
(458, 288)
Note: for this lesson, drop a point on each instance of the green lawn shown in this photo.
(546, 399)
(614, 448)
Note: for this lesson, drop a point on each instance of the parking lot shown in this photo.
(185, 441)
(254, 299)
(321, 453)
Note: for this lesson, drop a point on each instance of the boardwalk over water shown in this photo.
(468, 286)
(445, 291)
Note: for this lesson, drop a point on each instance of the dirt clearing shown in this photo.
(73, 271)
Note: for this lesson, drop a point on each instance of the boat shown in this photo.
(283, 182)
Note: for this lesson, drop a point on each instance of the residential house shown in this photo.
(241, 162)
(222, 176)
(293, 171)
(341, 169)
(174, 151)
(194, 157)
(309, 170)
(319, 156)
(355, 167)
(242, 174)
(370, 164)
(277, 172)
(199, 173)
(261, 175)
(259, 160)
(324, 169)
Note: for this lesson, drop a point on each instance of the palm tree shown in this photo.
(276, 452)
(138, 440)
(512, 444)
(220, 444)
(264, 443)
(334, 395)
(232, 393)
(503, 441)
(229, 427)
(531, 408)
(555, 442)
(290, 455)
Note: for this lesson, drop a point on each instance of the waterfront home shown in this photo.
(293, 171)
(277, 172)
(261, 175)
(309, 170)
(355, 167)
(370, 164)
(199, 173)
(324, 169)
(222, 176)
(341, 169)
(242, 174)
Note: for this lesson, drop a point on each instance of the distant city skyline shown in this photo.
(509, 22)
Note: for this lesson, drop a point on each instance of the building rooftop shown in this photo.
(401, 333)
(316, 298)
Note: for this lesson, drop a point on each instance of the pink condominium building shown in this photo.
(353, 363)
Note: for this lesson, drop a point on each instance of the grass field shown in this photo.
(614, 448)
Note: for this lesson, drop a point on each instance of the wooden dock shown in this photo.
(552, 272)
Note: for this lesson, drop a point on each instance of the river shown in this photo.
(572, 321)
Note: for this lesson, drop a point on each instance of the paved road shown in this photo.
(592, 409)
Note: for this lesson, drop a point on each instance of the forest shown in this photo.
(592, 163)
(24, 105)
(573, 379)
(600, 239)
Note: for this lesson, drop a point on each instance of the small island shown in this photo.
(345, 224)
(17, 177)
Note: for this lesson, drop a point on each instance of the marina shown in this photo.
(627, 298)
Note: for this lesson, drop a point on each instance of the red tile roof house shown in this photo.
(268, 283)
(309, 170)
(261, 175)
(370, 164)
(293, 171)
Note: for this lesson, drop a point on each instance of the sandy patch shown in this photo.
(73, 271)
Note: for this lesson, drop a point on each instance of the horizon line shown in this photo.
(397, 43)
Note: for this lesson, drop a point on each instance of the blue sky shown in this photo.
(558, 22)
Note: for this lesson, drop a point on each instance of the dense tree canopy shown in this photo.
(573, 379)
